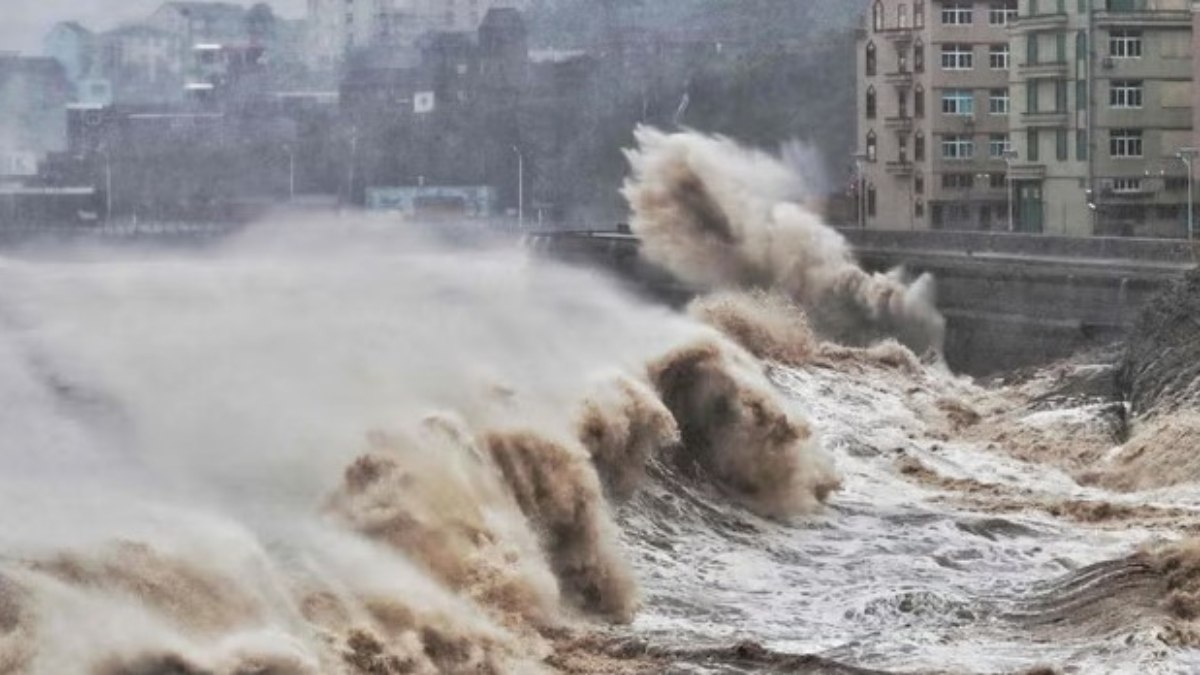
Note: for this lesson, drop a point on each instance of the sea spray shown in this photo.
(718, 215)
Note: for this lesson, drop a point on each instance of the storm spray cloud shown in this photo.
(326, 448)
(721, 216)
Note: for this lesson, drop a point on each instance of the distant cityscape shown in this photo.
(512, 110)
(1071, 117)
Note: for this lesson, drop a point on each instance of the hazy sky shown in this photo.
(24, 22)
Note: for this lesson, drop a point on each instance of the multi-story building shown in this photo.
(338, 27)
(1056, 116)
(933, 113)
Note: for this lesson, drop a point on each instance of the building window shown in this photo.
(958, 147)
(872, 198)
(957, 57)
(998, 57)
(958, 102)
(1125, 143)
(901, 60)
(919, 57)
(872, 146)
(1081, 145)
(958, 181)
(919, 102)
(998, 146)
(877, 16)
(902, 149)
(1061, 149)
(1002, 12)
(902, 16)
(997, 181)
(1032, 145)
(957, 12)
(872, 106)
(1125, 44)
(1031, 97)
(919, 208)
(919, 14)
(1176, 183)
(902, 103)
(1127, 185)
(1125, 94)
(919, 147)
(872, 61)
(919, 184)
(999, 102)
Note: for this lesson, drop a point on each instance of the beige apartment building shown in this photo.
(1070, 113)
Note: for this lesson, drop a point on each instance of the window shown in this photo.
(1081, 94)
(998, 146)
(1031, 97)
(901, 60)
(919, 14)
(1176, 183)
(958, 147)
(957, 57)
(919, 57)
(902, 16)
(958, 181)
(1125, 143)
(1002, 12)
(871, 201)
(998, 57)
(958, 102)
(997, 181)
(1060, 96)
(1032, 143)
(1061, 150)
(1125, 94)
(877, 16)
(902, 149)
(1081, 145)
(1125, 44)
(1031, 49)
(919, 184)
(872, 103)
(1127, 185)
(919, 102)
(872, 146)
(919, 147)
(919, 208)
(957, 12)
(902, 102)
(999, 102)
(872, 62)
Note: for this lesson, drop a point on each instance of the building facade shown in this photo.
(1056, 116)
(933, 114)
(340, 27)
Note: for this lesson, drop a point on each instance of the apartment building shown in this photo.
(933, 114)
(338, 27)
(1055, 116)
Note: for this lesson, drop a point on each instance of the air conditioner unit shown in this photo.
(1107, 63)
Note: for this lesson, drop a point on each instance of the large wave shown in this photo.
(722, 216)
(329, 448)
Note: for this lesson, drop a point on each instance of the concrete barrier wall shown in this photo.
(1003, 243)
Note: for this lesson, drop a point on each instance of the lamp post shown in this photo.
(108, 199)
(860, 160)
(520, 188)
(1010, 156)
(291, 172)
(1188, 156)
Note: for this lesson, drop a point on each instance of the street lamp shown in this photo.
(520, 188)
(1010, 156)
(860, 160)
(1188, 156)
(291, 172)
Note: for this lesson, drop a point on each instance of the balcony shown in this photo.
(900, 78)
(1043, 69)
(899, 35)
(900, 168)
(1143, 13)
(1046, 118)
(899, 123)
(1041, 22)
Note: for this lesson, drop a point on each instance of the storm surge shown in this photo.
(722, 216)
(325, 448)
